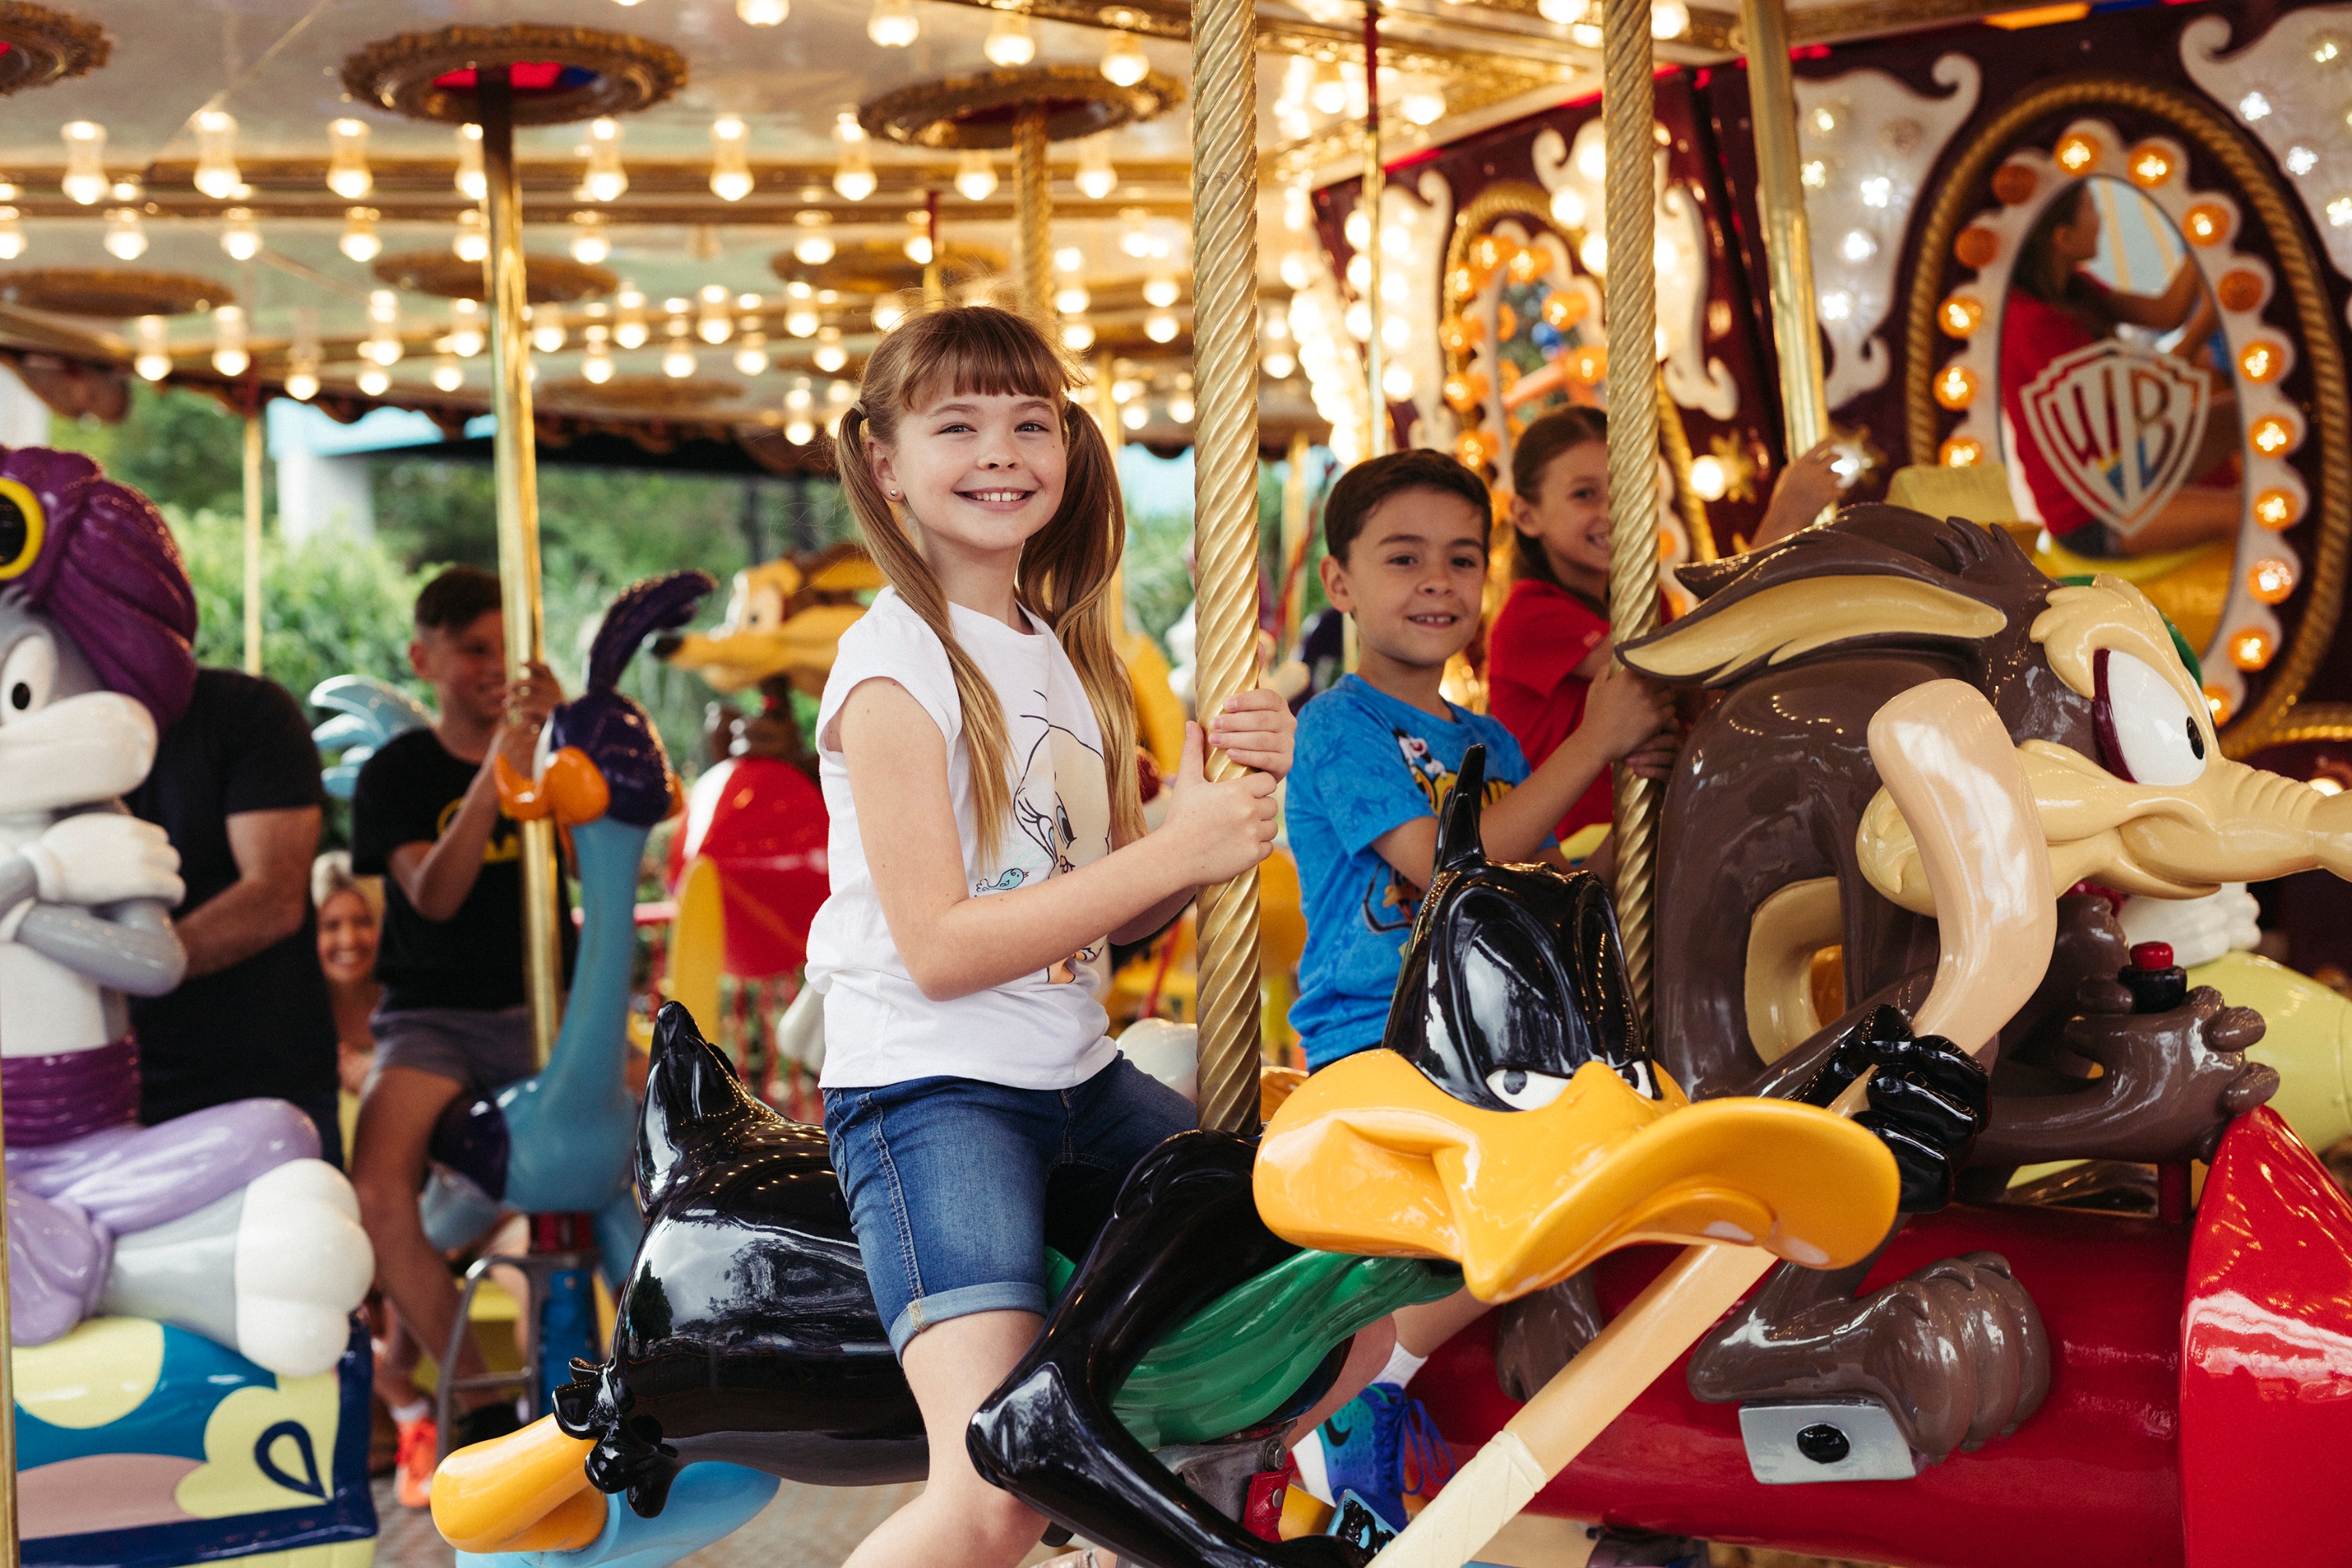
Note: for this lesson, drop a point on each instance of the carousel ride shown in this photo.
(2002, 751)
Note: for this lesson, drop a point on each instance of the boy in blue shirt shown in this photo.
(1405, 537)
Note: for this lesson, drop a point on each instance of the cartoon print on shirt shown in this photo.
(1061, 812)
(1392, 899)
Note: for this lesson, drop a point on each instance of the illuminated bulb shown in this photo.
(1096, 178)
(126, 239)
(853, 175)
(2326, 50)
(893, 25)
(2301, 161)
(1279, 364)
(1077, 337)
(2271, 434)
(763, 13)
(2340, 211)
(302, 382)
(1423, 102)
(155, 360)
(1563, 13)
(605, 180)
(2277, 509)
(1397, 382)
(1878, 191)
(374, 382)
(11, 235)
(731, 173)
(2077, 153)
(1592, 160)
(1360, 271)
(359, 241)
(1134, 416)
(384, 305)
(448, 373)
(1962, 452)
(1071, 299)
(1328, 92)
(466, 339)
(813, 246)
(916, 246)
(1159, 327)
(889, 312)
(1706, 477)
(1297, 270)
(1960, 316)
(1180, 408)
(547, 333)
(216, 174)
(830, 355)
(1124, 392)
(1668, 19)
(1813, 174)
(1359, 321)
(1009, 42)
(800, 432)
(1594, 254)
(1069, 259)
(2269, 579)
(590, 244)
(471, 183)
(1585, 36)
(1123, 61)
(85, 179)
(2253, 107)
(1396, 239)
(1857, 246)
(1956, 386)
(711, 323)
(975, 176)
(229, 357)
(751, 358)
(1160, 292)
(2252, 648)
(1135, 232)
(800, 320)
(240, 237)
(797, 400)
(1396, 331)
(347, 164)
(678, 361)
(1837, 305)
(470, 242)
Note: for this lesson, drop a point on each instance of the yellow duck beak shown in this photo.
(523, 1492)
(1369, 1156)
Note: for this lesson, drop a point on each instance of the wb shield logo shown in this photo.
(2119, 426)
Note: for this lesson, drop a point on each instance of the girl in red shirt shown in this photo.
(1550, 639)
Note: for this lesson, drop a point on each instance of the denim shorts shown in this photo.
(956, 1187)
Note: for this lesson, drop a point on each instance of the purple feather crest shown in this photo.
(608, 727)
(107, 574)
(654, 605)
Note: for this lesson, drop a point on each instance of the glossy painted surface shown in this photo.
(763, 825)
(2090, 1482)
(2266, 1357)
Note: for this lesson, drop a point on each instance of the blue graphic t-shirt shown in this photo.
(1366, 763)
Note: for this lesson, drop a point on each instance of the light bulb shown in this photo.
(813, 246)
(11, 235)
(547, 333)
(229, 357)
(597, 368)
(763, 13)
(359, 241)
(382, 305)
(1160, 292)
(1279, 364)
(798, 398)
(1297, 268)
(374, 382)
(1563, 13)
(1396, 331)
(471, 183)
(605, 180)
(216, 174)
(1277, 323)
(830, 355)
(1071, 299)
(85, 181)
(465, 338)
(1668, 19)
(1009, 42)
(893, 25)
(731, 173)
(678, 361)
(126, 239)
(448, 373)
(1123, 60)
(302, 382)
(889, 312)
(753, 357)
(917, 247)
(1134, 416)
(852, 175)
(1568, 208)
(1069, 259)
(1397, 382)
(239, 238)
(472, 243)
(1097, 178)
(1135, 232)
(1359, 321)
(1423, 102)
(1328, 92)
(975, 176)
(1180, 408)
(800, 432)
(1594, 254)
(347, 164)
(1159, 327)
(155, 360)
(590, 244)
(1077, 336)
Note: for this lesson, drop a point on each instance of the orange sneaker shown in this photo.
(420, 1448)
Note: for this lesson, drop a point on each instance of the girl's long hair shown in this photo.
(1066, 568)
(1544, 439)
(2036, 272)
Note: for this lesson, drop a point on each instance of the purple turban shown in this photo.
(97, 559)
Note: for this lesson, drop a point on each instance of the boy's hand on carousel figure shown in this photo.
(1217, 829)
(1655, 758)
(529, 702)
(1626, 712)
(1254, 728)
(105, 857)
(1804, 489)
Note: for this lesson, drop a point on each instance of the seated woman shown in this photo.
(2055, 307)
(351, 920)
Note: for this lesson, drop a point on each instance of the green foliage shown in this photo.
(178, 447)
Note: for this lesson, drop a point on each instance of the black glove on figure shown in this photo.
(1929, 1100)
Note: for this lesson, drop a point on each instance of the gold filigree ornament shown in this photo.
(978, 111)
(38, 45)
(428, 76)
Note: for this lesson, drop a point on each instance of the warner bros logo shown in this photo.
(2119, 425)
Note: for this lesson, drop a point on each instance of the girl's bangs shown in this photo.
(981, 352)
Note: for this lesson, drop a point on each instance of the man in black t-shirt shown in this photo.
(236, 786)
(426, 816)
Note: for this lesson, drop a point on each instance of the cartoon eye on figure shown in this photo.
(2146, 730)
(1524, 1090)
(28, 676)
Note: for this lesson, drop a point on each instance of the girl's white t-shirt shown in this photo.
(1045, 1029)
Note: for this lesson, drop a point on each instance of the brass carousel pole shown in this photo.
(1032, 261)
(1628, 110)
(1224, 499)
(1375, 184)
(1787, 247)
(253, 543)
(935, 289)
(516, 478)
(1295, 512)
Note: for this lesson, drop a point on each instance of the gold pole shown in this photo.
(1033, 264)
(1628, 111)
(253, 543)
(1787, 247)
(1224, 510)
(1375, 184)
(1294, 539)
(514, 466)
(935, 289)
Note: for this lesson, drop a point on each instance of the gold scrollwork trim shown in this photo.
(44, 46)
(630, 73)
(1963, 195)
(976, 111)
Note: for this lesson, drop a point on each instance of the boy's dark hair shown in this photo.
(457, 599)
(1368, 484)
(1531, 454)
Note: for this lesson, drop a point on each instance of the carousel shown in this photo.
(2033, 751)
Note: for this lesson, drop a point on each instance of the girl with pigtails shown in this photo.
(977, 749)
